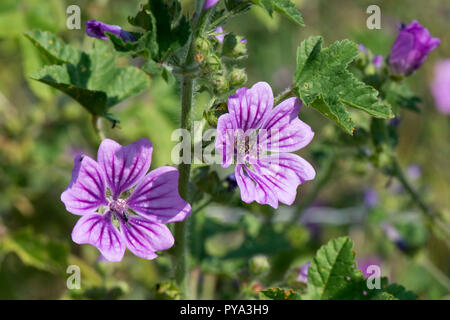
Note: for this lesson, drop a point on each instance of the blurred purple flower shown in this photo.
(221, 34)
(371, 198)
(97, 29)
(112, 221)
(362, 48)
(365, 263)
(392, 234)
(440, 86)
(395, 122)
(209, 4)
(377, 61)
(303, 273)
(260, 139)
(414, 171)
(231, 180)
(411, 48)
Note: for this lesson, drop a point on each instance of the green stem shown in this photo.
(97, 125)
(187, 92)
(283, 96)
(180, 231)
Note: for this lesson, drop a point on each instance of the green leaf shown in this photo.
(172, 30)
(287, 8)
(36, 250)
(52, 48)
(93, 79)
(284, 7)
(267, 5)
(279, 294)
(323, 82)
(333, 272)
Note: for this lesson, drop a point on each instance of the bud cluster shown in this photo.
(217, 56)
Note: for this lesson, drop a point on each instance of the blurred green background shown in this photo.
(41, 130)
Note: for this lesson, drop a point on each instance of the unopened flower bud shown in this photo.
(237, 77)
(220, 84)
(202, 45)
(234, 46)
(259, 265)
(199, 57)
(213, 63)
(212, 115)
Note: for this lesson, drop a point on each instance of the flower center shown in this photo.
(119, 205)
(246, 147)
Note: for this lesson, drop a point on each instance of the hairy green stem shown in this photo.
(187, 93)
(180, 231)
(97, 125)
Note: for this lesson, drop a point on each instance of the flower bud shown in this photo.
(202, 45)
(213, 63)
(212, 115)
(237, 77)
(97, 29)
(259, 265)
(234, 46)
(411, 48)
(220, 84)
(209, 4)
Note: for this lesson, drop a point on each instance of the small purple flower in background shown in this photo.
(414, 172)
(395, 122)
(122, 206)
(303, 273)
(250, 131)
(220, 34)
(364, 264)
(411, 48)
(97, 29)
(231, 180)
(209, 4)
(371, 198)
(362, 48)
(392, 234)
(377, 61)
(440, 86)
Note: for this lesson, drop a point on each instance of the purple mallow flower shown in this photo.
(97, 29)
(414, 172)
(120, 204)
(371, 198)
(209, 4)
(259, 139)
(393, 235)
(377, 61)
(411, 48)
(365, 263)
(220, 34)
(440, 86)
(303, 273)
(362, 48)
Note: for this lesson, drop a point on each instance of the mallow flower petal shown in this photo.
(124, 166)
(87, 188)
(143, 237)
(98, 230)
(156, 197)
(225, 138)
(249, 107)
(272, 179)
(283, 131)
